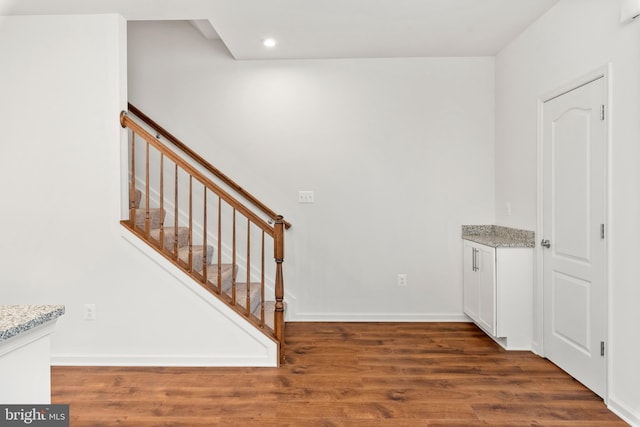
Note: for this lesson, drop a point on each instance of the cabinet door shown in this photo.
(470, 282)
(487, 288)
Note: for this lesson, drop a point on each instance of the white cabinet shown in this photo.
(480, 285)
(25, 347)
(498, 292)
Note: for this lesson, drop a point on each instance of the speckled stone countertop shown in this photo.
(499, 237)
(15, 319)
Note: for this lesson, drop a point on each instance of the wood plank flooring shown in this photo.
(344, 374)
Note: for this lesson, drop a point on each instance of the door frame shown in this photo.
(604, 72)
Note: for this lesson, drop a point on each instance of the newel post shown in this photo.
(278, 242)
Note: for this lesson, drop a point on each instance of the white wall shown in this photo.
(399, 153)
(573, 39)
(63, 84)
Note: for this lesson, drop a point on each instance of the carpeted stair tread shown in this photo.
(196, 255)
(169, 236)
(241, 295)
(155, 215)
(226, 272)
(269, 310)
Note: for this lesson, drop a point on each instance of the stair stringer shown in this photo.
(267, 357)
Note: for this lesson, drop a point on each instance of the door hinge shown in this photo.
(601, 348)
(602, 231)
(602, 112)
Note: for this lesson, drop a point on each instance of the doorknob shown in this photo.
(545, 243)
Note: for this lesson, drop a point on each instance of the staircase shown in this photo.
(191, 213)
(196, 260)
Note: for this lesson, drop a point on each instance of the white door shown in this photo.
(470, 281)
(480, 285)
(487, 288)
(574, 140)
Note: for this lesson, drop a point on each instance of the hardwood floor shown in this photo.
(344, 374)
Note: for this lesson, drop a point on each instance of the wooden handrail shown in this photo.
(205, 164)
(126, 121)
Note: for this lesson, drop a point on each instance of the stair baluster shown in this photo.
(262, 295)
(161, 239)
(233, 258)
(147, 215)
(204, 236)
(219, 276)
(132, 179)
(190, 261)
(175, 215)
(248, 268)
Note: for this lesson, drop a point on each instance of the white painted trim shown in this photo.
(122, 166)
(380, 317)
(124, 174)
(605, 72)
(270, 346)
(624, 412)
(169, 360)
(537, 344)
(25, 361)
(610, 226)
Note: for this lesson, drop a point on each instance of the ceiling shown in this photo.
(308, 29)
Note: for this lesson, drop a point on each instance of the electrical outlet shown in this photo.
(402, 279)
(305, 197)
(89, 312)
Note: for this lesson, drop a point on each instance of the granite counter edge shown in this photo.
(44, 314)
(499, 236)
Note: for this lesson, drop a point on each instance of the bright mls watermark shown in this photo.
(34, 415)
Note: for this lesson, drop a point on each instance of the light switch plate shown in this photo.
(306, 197)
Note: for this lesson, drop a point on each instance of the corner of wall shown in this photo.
(623, 411)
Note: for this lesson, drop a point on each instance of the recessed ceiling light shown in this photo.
(269, 42)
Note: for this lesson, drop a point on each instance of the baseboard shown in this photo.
(158, 361)
(536, 348)
(378, 317)
(627, 414)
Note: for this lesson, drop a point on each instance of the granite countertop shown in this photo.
(499, 237)
(15, 319)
